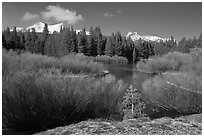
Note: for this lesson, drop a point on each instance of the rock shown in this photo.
(102, 73)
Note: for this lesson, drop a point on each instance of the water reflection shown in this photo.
(129, 74)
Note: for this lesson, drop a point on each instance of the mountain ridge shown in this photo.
(136, 36)
(39, 26)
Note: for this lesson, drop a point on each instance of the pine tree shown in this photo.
(61, 29)
(91, 31)
(73, 40)
(134, 56)
(109, 51)
(200, 37)
(104, 40)
(53, 48)
(199, 44)
(50, 46)
(7, 37)
(14, 43)
(141, 49)
(3, 41)
(182, 45)
(151, 49)
(33, 36)
(113, 42)
(22, 40)
(129, 50)
(45, 36)
(146, 50)
(38, 45)
(58, 44)
(82, 42)
(99, 39)
(66, 42)
(45, 31)
(28, 39)
(47, 47)
(91, 49)
(132, 104)
(158, 48)
(79, 44)
(7, 33)
(123, 46)
(92, 43)
(171, 44)
(118, 44)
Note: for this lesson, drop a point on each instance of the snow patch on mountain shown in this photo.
(136, 36)
(40, 26)
(51, 28)
(55, 27)
(18, 29)
(78, 31)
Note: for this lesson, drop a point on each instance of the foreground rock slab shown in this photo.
(163, 126)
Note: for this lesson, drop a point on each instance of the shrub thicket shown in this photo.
(196, 64)
(111, 60)
(33, 62)
(43, 100)
(173, 61)
(179, 93)
(102, 59)
(37, 94)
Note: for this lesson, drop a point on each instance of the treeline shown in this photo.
(95, 44)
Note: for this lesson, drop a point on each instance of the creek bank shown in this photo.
(100, 74)
(149, 72)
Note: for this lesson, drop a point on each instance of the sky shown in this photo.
(161, 19)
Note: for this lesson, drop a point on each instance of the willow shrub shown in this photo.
(11, 62)
(173, 61)
(111, 60)
(43, 100)
(180, 93)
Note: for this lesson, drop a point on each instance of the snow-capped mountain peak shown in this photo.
(136, 36)
(40, 26)
(131, 33)
(51, 28)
